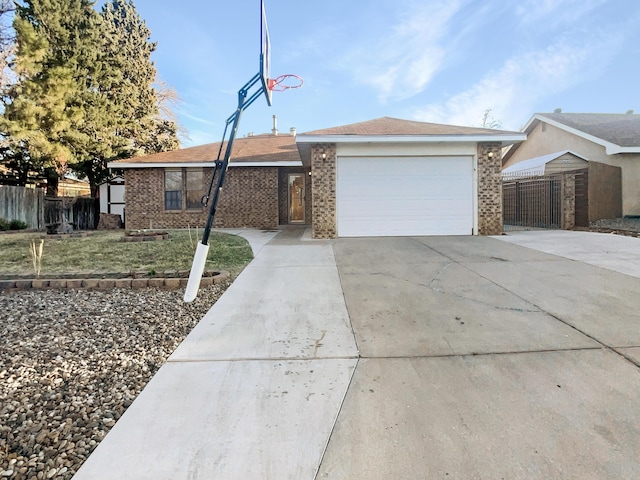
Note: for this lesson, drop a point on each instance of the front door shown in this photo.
(296, 198)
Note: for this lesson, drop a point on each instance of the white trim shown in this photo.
(293, 163)
(405, 150)
(506, 139)
(210, 164)
(610, 148)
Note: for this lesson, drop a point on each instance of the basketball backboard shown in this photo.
(265, 53)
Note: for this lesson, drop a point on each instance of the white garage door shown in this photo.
(404, 196)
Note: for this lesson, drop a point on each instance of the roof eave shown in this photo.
(211, 164)
(610, 148)
(505, 139)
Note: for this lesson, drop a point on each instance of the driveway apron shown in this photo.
(486, 360)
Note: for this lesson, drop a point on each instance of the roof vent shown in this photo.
(629, 112)
(275, 125)
(293, 131)
(557, 110)
(250, 134)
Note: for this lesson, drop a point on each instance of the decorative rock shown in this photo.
(156, 282)
(91, 283)
(58, 283)
(23, 284)
(6, 284)
(106, 346)
(122, 283)
(75, 283)
(172, 282)
(107, 283)
(138, 283)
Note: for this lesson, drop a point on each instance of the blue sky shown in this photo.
(443, 61)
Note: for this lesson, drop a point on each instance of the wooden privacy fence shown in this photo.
(24, 204)
(81, 213)
(541, 201)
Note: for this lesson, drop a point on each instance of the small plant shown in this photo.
(191, 239)
(152, 273)
(36, 256)
(17, 225)
(4, 225)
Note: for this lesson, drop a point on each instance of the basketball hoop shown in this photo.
(285, 82)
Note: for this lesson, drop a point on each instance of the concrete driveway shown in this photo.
(483, 359)
(396, 358)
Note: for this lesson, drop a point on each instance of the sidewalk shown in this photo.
(255, 389)
(613, 252)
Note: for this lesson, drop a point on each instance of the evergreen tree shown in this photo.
(124, 106)
(56, 45)
(130, 47)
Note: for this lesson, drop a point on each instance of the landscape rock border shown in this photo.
(171, 279)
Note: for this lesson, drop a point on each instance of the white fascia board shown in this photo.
(504, 139)
(293, 163)
(202, 164)
(158, 165)
(610, 148)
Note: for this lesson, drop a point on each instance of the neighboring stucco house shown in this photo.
(609, 139)
(384, 177)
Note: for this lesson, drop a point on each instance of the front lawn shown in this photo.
(102, 251)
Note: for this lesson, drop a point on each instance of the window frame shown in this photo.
(185, 204)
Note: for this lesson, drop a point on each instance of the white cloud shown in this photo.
(512, 91)
(555, 12)
(401, 61)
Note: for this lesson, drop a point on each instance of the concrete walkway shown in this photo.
(614, 252)
(397, 358)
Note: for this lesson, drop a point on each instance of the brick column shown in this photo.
(323, 188)
(489, 189)
(568, 190)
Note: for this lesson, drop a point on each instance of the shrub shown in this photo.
(17, 225)
(4, 225)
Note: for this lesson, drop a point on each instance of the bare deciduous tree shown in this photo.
(168, 101)
(488, 121)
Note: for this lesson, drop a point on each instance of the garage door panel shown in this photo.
(405, 196)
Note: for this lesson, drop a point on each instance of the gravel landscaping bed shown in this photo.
(72, 361)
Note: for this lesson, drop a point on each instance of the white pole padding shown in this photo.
(197, 269)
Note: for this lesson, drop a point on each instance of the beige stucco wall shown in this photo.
(554, 139)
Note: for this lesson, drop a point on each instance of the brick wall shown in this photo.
(489, 189)
(323, 180)
(249, 198)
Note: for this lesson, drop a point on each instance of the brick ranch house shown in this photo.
(383, 177)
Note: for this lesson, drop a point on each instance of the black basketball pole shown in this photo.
(221, 166)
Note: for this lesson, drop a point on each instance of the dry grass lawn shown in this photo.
(102, 251)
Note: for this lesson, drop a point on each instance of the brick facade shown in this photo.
(323, 180)
(249, 198)
(489, 189)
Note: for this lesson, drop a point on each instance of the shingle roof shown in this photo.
(386, 126)
(259, 148)
(622, 129)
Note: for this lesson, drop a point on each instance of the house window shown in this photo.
(173, 190)
(183, 183)
(194, 189)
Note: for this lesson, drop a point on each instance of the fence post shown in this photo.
(568, 202)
